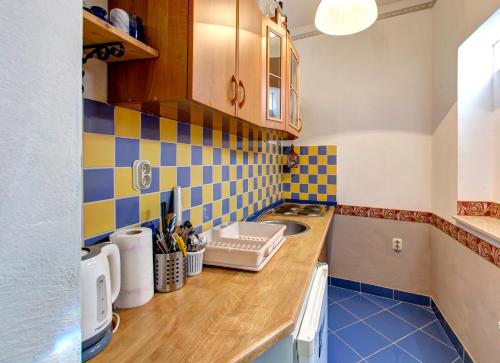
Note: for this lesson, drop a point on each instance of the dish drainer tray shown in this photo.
(243, 245)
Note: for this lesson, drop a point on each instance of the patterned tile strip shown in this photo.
(482, 248)
(484, 209)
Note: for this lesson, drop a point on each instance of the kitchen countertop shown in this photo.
(223, 315)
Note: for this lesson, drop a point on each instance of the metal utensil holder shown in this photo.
(170, 271)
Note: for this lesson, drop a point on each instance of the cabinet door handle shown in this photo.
(300, 125)
(234, 81)
(244, 93)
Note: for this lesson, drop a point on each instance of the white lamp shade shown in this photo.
(343, 17)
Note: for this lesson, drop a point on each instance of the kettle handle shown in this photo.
(112, 252)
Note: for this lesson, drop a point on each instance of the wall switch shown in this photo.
(397, 244)
(142, 174)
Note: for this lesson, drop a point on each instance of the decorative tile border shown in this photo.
(482, 248)
(408, 297)
(483, 209)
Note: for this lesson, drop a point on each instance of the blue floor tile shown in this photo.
(413, 314)
(390, 325)
(338, 317)
(382, 301)
(360, 306)
(338, 293)
(338, 352)
(391, 354)
(436, 330)
(428, 349)
(363, 339)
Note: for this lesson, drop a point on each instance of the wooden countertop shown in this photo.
(223, 315)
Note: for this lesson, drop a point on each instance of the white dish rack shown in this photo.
(243, 245)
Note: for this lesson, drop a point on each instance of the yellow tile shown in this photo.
(245, 144)
(207, 226)
(217, 174)
(196, 114)
(287, 195)
(331, 169)
(233, 142)
(232, 172)
(259, 182)
(186, 198)
(295, 188)
(150, 150)
(313, 150)
(303, 160)
(168, 178)
(245, 171)
(225, 218)
(183, 154)
(207, 194)
(250, 158)
(239, 157)
(217, 209)
(304, 179)
(331, 189)
(239, 214)
(245, 199)
(123, 183)
(322, 197)
(313, 170)
(217, 138)
(313, 188)
(331, 150)
(197, 216)
(322, 160)
(207, 155)
(98, 218)
(168, 130)
(232, 204)
(303, 196)
(251, 209)
(150, 206)
(127, 122)
(226, 189)
(196, 175)
(98, 150)
(322, 179)
(196, 135)
(239, 187)
(226, 158)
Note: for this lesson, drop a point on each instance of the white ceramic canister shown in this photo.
(120, 19)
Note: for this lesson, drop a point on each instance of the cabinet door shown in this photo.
(293, 116)
(249, 61)
(274, 45)
(213, 79)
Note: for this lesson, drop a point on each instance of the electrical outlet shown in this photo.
(498, 325)
(397, 244)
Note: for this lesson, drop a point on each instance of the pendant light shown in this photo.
(343, 17)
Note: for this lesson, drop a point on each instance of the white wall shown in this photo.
(40, 202)
(370, 94)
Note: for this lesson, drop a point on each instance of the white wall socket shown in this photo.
(142, 174)
(397, 244)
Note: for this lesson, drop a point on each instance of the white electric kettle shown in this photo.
(99, 287)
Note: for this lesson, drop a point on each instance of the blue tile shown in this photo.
(338, 317)
(183, 133)
(427, 349)
(233, 217)
(154, 225)
(295, 178)
(97, 239)
(321, 150)
(207, 213)
(127, 211)
(255, 158)
(183, 176)
(259, 170)
(98, 184)
(155, 182)
(381, 301)
(245, 185)
(332, 179)
(239, 172)
(239, 201)
(217, 191)
(313, 160)
(239, 142)
(232, 157)
(150, 127)
(363, 339)
(196, 196)
(207, 137)
(126, 151)
(304, 169)
(339, 352)
(313, 179)
(225, 206)
(346, 284)
(322, 169)
(389, 325)
(391, 354)
(453, 338)
(186, 214)
(286, 187)
(413, 314)
(412, 298)
(338, 293)
(232, 188)
(467, 358)
(377, 290)
(332, 160)
(436, 330)
(225, 140)
(304, 150)
(331, 199)
(225, 173)
(304, 188)
(168, 154)
(217, 222)
(207, 175)
(245, 157)
(167, 198)
(360, 306)
(196, 155)
(313, 197)
(217, 156)
(98, 117)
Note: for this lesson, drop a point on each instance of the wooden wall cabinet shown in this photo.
(293, 119)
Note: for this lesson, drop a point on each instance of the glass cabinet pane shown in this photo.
(274, 76)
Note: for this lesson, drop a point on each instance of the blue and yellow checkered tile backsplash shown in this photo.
(315, 179)
(224, 176)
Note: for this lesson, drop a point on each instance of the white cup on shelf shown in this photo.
(120, 19)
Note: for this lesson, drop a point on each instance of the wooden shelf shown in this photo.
(97, 31)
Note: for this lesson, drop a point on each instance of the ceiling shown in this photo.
(302, 12)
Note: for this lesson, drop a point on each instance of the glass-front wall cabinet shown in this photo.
(275, 75)
(294, 100)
